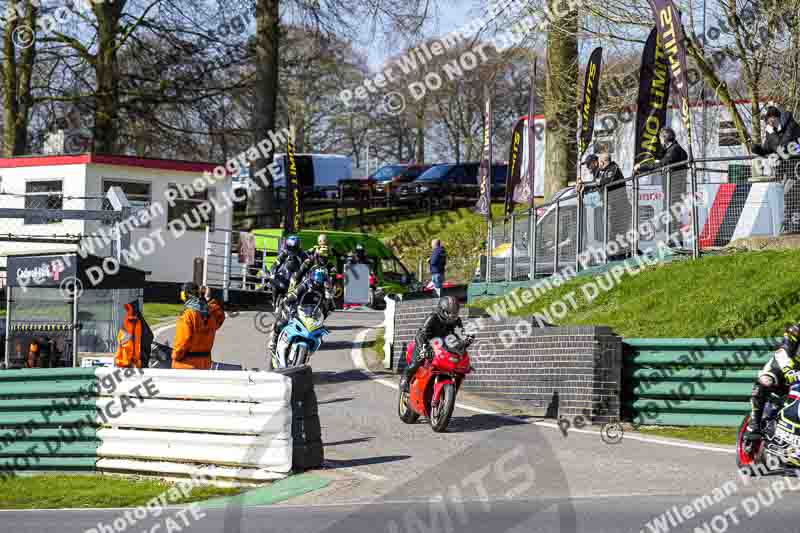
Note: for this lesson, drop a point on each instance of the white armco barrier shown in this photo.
(229, 425)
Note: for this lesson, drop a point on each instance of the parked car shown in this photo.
(395, 177)
(460, 179)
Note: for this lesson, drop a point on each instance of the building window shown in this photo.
(139, 196)
(728, 136)
(43, 195)
(186, 208)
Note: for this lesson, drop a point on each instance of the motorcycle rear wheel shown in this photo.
(406, 414)
(440, 416)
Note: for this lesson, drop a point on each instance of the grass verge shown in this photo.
(377, 345)
(92, 491)
(709, 435)
(154, 312)
(756, 291)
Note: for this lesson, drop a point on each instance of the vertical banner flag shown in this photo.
(514, 173)
(532, 136)
(668, 23)
(519, 183)
(293, 190)
(591, 85)
(651, 109)
(484, 205)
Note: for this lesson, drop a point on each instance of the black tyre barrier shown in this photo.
(306, 429)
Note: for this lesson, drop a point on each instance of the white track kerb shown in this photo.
(357, 357)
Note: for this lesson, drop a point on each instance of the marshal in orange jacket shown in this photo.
(129, 350)
(194, 334)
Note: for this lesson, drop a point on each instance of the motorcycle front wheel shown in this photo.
(406, 414)
(440, 415)
(748, 454)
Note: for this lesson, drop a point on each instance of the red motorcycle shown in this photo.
(432, 391)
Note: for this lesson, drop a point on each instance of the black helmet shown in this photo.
(359, 247)
(448, 309)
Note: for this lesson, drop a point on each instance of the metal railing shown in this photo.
(222, 268)
(688, 208)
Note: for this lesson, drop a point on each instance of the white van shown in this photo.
(319, 174)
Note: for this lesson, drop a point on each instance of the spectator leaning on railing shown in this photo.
(607, 175)
(783, 136)
(669, 155)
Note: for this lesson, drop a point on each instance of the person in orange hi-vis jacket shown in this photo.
(196, 328)
(134, 339)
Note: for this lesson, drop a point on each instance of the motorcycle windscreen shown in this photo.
(356, 284)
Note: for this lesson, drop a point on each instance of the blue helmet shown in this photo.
(293, 243)
(319, 277)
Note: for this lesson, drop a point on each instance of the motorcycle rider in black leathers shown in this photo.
(318, 258)
(781, 372)
(309, 292)
(288, 262)
(441, 323)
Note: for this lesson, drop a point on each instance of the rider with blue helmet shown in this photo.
(310, 292)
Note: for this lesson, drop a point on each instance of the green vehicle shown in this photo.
(391, 276)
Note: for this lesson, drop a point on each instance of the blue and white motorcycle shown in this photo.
(301, 337)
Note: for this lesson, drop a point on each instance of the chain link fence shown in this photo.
(686, 208)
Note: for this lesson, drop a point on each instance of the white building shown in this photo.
(77, 180)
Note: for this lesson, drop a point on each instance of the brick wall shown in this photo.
(558, 371)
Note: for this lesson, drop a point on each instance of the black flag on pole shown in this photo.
(670, 29)
(484, 205)
(294, 209)
(514, 175)
(591, 85)
(651, 109)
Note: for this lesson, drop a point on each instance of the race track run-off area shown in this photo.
(487, 473)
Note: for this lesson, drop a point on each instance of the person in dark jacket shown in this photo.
(670, 153)
(606, 174)
(783, 136)
(437, 264)
(439, 324)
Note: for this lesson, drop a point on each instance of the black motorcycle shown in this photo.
(779, 448)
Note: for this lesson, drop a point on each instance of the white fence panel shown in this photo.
(237, 422)
(244, 386)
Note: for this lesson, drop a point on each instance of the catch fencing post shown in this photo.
(579, 231)
(555, 240)
(75, 297)
(489, 254)
(8, 322)
(205, 259)
(667, 200)
(695, 224)
(635, 218)
(532, 242)
(510, 273)
(226, 268)
(605, 225)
